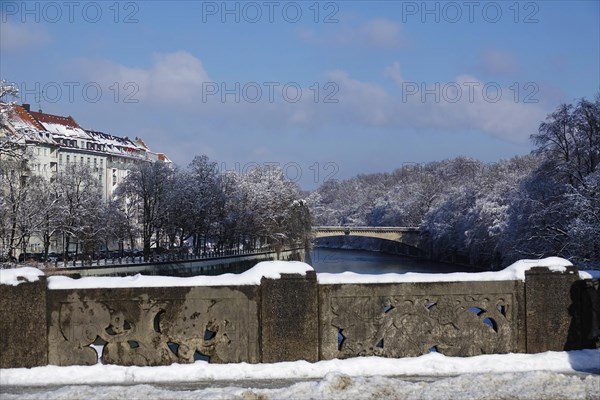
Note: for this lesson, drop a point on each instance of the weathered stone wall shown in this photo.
(154, 326)
(23, 340)
(289, 318)
(410, 319)
(550, 308)
(295, 318)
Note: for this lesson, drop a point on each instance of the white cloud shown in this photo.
(494, 112)
(172, 86)
(366, 101)
(172, 78)
(17, 37)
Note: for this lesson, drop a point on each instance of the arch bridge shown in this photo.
(405, 235)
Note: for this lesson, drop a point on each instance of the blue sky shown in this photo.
(341, 88)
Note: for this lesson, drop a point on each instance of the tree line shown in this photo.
(532, 206)
(545, 203)
(157, 205)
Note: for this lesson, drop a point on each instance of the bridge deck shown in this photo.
(366, 228)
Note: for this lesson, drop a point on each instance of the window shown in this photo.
(68, 156)
(60, 159)
(114, 177)
(45, 151)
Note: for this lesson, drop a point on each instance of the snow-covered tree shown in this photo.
(79, 208)
(201, 198)
(46, 198)
(10, 143)
(146, 188)
(16, 206)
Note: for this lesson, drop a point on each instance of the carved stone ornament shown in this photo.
(139, 327)
(401, 326)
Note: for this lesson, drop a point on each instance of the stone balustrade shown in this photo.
(293, 318)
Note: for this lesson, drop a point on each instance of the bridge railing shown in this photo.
(102, 261)
(368, 228)
(291, 318)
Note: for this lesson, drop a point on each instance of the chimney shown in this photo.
(27, 107)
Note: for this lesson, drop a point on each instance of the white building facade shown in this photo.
(52, 142)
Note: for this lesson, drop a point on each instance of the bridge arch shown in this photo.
(408, 236)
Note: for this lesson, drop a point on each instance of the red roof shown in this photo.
(55, 119)
(23, 115)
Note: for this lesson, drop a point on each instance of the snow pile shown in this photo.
(432, 376)
(16, 276)
(334, 386)
(274, 269)
(515, 271)
(266, 269)
(431, 364)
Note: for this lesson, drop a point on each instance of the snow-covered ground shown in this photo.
(551, 375)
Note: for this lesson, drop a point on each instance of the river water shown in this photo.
(371, 262)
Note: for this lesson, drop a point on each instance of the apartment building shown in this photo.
(51, 142)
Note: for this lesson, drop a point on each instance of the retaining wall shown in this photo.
(295, 318)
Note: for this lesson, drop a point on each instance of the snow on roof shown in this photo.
(52, 129)
(140, 143)
(21, 119)
(62, 126)
(24, 124)
(107, 138)
(114, 144)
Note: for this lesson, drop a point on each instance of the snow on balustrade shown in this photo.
(17, 276)
(273, 269)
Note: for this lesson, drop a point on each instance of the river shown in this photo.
(371, 262)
